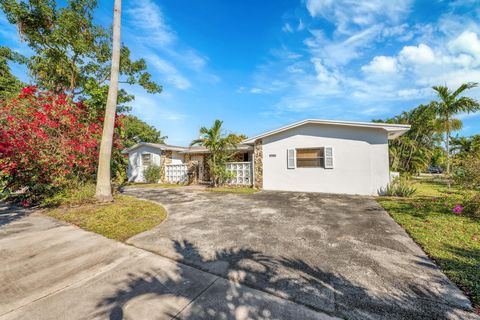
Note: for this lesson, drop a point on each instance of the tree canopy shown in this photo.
(9, 84)
(221, 146)
(449, 104)
(135, 130)
(71, 53)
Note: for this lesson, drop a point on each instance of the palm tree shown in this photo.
(220, 146)
(104, 187)
(449, 104)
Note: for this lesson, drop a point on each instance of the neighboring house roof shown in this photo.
(154, 145)
(393, 130)
(192, 149)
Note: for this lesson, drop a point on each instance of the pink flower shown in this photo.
(25, 203)
(457, 209)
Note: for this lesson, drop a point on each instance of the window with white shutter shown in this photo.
(328, 157)
(291, 155)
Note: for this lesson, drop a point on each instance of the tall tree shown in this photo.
(104, 188)
(237, 138)
(135, 130)
(412, 152)
(221, 147)
(72, 54)
(9, 84)
(448, 105)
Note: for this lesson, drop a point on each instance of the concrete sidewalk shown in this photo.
(52, 270)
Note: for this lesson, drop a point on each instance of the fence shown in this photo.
(242, 171)
(176, 173)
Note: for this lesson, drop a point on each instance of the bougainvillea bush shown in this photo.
(47, 142)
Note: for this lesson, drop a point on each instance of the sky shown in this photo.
(259, 65)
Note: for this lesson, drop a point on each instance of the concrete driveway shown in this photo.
(52, 270)
(339, 254)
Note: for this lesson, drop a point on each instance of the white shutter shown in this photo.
(291, 158)
(328, 157)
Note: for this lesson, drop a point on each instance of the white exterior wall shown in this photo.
(177, 157)
(361, 164)
(135, 167)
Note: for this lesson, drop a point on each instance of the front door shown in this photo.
(201, 168)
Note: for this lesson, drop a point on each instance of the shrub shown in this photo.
(152, 174)
(472, 206)
(467, 173)
(399, 188)
(220, 174)
(47, 143)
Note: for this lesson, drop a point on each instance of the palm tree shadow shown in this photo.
(286, 280)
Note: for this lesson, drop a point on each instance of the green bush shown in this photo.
(399, 188)
(472, 206)
(220, 174)
(467, 173)
(152, 173)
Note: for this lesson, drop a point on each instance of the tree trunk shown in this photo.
(104, 188)
(447, 145)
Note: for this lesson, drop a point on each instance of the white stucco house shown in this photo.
(312, 155)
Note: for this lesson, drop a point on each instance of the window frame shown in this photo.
(150, 160)
(321, 159)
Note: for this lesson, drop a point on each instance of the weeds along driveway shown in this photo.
(340, 254)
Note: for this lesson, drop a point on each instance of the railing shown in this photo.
(242, 173)
(176, 173)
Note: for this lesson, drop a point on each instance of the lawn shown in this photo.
(453, 241)
(120, 220)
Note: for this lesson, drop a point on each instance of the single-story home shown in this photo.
(312, 155)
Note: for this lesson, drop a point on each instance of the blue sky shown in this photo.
(259, 65)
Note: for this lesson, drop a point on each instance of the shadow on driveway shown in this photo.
(305, 283)
(339, 254)
(10, 213)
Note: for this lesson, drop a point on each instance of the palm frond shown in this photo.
(463, 87)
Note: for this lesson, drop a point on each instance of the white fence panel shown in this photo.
(176, 173)
(242, 171)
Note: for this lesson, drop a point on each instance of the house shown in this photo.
(182, 164)
(311, 155)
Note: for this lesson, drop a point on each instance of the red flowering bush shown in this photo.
(47, 142)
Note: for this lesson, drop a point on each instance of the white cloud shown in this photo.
(467, 42)
(381, 64)
(148, 17)
(300, 26)
(349, 15)
(148, 29)
(287, 28)
(171, 74)
(334, 52)
(421, 54)
(147, 107)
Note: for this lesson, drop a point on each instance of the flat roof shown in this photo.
(393, 130)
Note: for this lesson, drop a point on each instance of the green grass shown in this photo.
(452, 241)
(242, 190)
(119, 220)
(80, 194)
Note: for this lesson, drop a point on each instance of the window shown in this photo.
(146, 159)
(311, 158)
